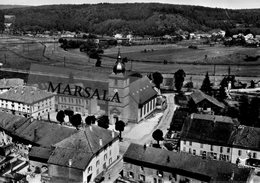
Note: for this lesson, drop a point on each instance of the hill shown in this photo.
(139, 18)
(11, 6)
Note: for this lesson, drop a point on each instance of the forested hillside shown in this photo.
(138, 18)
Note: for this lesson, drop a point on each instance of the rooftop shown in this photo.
(247, 137)
(185, 164)
(81, 147)
(198, 96)
(41, 133)
(25, 94)
(142, 91)
(206, 128)
(12, 82)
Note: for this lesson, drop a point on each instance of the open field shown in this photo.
(20, 52)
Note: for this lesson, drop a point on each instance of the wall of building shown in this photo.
(140, 173)
(146, 109)
(102, 161)
(243, 154)
(37, 109)
(213, 151)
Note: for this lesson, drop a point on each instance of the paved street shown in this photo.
(142, 134)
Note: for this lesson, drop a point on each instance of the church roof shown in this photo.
(142, 91)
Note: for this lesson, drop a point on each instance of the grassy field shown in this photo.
(20, 52)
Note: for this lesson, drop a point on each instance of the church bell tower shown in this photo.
(118, 82)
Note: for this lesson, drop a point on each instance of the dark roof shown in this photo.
(198, 96)
(11, 82)
(247, 137)
(206, 128)
(185, 164)
(37, 132)
(81, 147)
(25, 94)
(142, 91)
(40, 154)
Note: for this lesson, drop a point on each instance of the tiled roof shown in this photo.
(198, 96)
(38, 132)
(210, 129)
(81, 146)
(185, 164)
(40, 154)
(12, 82)
(25, 94)
(247, 137)
(142, 91)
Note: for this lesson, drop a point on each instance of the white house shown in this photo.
(27, 101)
(208, 136)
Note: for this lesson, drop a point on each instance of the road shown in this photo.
(113, 173)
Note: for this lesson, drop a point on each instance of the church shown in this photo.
(120, 94)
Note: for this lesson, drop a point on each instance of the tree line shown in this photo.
(138, 18)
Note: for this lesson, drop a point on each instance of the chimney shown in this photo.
(100, 142)
(113, 134)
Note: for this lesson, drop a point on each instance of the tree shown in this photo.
(103, 121)
(90, 120)
(2, 21)
(158, 136)
(60, 116)
(179, 77)
(255, 111)
(68, 112)
(157, 79)
(206, 86)
(75, 120)
(120, 126)
(244, 111)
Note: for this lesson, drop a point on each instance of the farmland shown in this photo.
(141, 58)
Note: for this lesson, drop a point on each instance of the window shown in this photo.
(154, 180)
(142, 177)
(105, 157)
(97, 171)
(89, 169)
(221, 149)
(215, 156)
(189, 150)
(194, 152)
(110, 160)
(190, 143)
(254, 155)
(97, 163)
(239, 152)
(201, 145)
(142, 168)
(184, 142)
(131, 174)
(110, 152)
(211, 147)
(228, 150)
(160, 173)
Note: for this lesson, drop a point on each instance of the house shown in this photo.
(208, 136)
(148, 164)
(205, 103)
(246, 145)
(82, 157)
(27, 101)
(6, 84)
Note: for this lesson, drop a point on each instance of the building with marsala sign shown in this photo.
(119, 94)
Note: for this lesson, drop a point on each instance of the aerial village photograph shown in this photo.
(129, 91)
